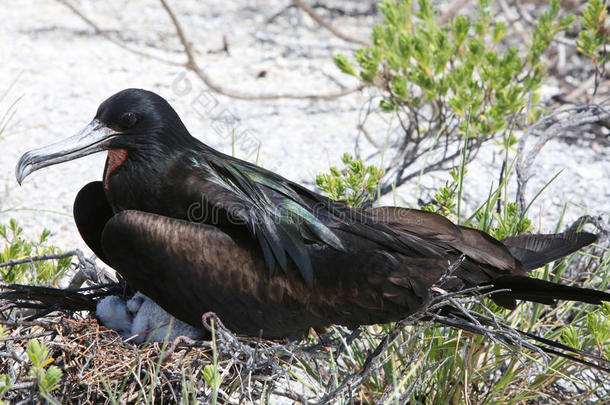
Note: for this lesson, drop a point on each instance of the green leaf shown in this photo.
(571, 337)
(343, 64)
(5, 384)
(354, 183)
(211, 376)
(37, 352)
(49, 378)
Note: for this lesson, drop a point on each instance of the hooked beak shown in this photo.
(90, 140)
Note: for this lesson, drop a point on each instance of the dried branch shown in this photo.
(372, 363)
(192, 65)
(317, 18)
(51, 299)
(372, 10)
(252, 358)
(118, 43)
(582, 89)
(310, 10)
(524, 14)
(446, 162)
(452, 268)
(546, 129)
(279, 13)
(597, 222)
(87, 270)
(31, 259)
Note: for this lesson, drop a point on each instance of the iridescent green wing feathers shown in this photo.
(275, 213)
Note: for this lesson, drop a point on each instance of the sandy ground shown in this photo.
(63, 71)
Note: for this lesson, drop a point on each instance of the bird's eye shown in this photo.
(128, 120)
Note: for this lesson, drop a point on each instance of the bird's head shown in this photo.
(133, 121)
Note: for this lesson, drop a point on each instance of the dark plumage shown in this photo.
(198, 231)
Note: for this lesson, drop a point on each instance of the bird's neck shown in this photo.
(133, 181)
(115, 159)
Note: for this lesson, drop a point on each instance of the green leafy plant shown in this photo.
(442, 81)
(593, 39)
(355, 184)
(445, 199)
(210, 372)
(47, 376)
(598, 329)
(16, 246)
(5, 380)
(5, 384)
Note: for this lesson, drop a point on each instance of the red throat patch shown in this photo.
(116, 157)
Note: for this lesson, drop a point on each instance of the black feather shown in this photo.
(544, 292)
(535, 251)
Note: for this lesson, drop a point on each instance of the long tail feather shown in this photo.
(534, 251)
(545, 292)
(50, 299)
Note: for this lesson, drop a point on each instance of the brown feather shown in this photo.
(190, 269)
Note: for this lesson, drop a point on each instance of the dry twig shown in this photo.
(192, 65)
(317, 18)
(546, 129)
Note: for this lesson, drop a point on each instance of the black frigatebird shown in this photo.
(196, 231)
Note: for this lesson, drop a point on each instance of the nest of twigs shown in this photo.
(99, 366)
(95, 361)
